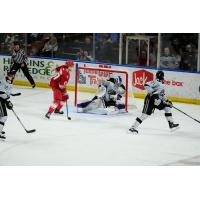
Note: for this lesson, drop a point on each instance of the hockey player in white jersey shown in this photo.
(155, 99)
(109, 94)
(5, 92)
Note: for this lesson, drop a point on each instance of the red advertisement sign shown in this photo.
(140, 77)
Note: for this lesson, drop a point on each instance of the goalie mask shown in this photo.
(112, 80)
(116, 81)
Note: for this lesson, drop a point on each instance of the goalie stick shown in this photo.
(27, 131)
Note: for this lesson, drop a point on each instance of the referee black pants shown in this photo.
(24, 69)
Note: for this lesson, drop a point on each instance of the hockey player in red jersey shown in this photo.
(58, 83)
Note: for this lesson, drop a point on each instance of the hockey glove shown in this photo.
(65, 97)
(9, 105)
(95, 98)
(168, 103)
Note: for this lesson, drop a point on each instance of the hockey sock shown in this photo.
(51, 109)
(60, 105)
(168, 115)
(139, 120)
(56, 105)
(2, 122)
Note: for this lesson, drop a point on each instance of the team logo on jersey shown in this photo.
(140, 77)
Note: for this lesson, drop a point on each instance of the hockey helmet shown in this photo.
(10, 76)
(113, 80)
(10, 73)
(160, 75)
(69, 63)
(16, 43)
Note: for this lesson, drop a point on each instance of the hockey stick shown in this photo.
(28, 131)
(186, 114)
(69, 118)
(16, 94)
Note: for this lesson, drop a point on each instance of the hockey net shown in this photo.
(87, 80)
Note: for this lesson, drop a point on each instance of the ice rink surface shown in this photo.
(96, 139)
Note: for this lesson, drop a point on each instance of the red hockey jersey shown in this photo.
(61, 79)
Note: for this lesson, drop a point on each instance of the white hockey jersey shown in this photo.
(5, 89)
(108, 90)
(155, 87)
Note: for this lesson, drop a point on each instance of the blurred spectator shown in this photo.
(80, 55)
(104, 49)
(50, 47)
(168, 61)
(153, 52)
(88, 45)
(84, 56)
(189, 59)
(33, 37)
(9, 39)
(142, 60)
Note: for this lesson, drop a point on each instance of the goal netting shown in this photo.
(87, 80)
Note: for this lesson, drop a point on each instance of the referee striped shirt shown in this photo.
(19, 57)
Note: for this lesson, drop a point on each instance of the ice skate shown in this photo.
(58, 112)
(133, 130)
(173, 126)
(2, 135)
(48, 115)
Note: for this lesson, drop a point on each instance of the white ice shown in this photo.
(96, 139)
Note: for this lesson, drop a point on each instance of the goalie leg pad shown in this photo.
(89, 105)
(120, 106)
(83, 104)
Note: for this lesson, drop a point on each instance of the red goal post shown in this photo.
(93, 75)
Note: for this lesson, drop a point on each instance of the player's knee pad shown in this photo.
(167, 110)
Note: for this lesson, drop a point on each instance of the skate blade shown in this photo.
(174, 129)
(131, 133)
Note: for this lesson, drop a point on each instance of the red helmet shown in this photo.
(69, 63)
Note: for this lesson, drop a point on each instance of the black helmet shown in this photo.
(16, 43)
(112, 80)
(10, 76)
(11, 73)
(160, 75)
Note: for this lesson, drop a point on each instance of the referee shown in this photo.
(19, 61)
